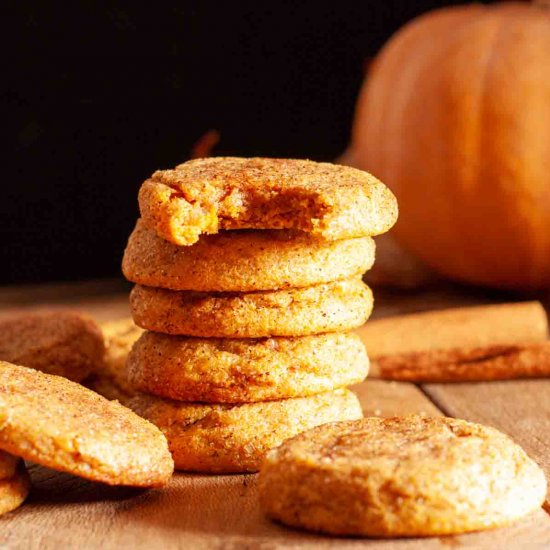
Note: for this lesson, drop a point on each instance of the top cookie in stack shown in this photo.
(248, 277)
(206, 195)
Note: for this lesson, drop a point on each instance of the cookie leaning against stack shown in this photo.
(247, 337)
(62, 425)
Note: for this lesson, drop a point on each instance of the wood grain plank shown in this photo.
(62, 292)
(381, 398)
(519, 408)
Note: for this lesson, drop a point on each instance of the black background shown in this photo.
(96, 98)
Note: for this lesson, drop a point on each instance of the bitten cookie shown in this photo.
(329, 307)
(62, 425)
(59, 342)
(242, 370)
(402, 476)
(110, 379)
(209, 194)
(15, 488)
(234, 438)
(243, 261)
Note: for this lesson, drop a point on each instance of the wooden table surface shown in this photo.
(198, 511)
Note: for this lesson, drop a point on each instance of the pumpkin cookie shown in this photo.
(243, 261)
(8, 465)
(209, 194)
(234, 438)
(234, 371)
(110, 379)
(62, 425)
(329, 307)
(61, 342)
(403, 476)
(14, 489)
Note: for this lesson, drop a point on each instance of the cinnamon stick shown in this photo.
(495, 342)
(473, 365)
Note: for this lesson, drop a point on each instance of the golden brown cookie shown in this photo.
(234, 438)
(402, 476)
(329, 307)
(110, 380)
(8, 465)
(14, 489)
(209, 194)
(58, 342)
(243, 261)
(222, 370)
(62, 425)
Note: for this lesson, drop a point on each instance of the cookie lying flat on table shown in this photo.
(62, 425)
(329, 307)
(243, 370)
(209, 194)
(243, 261)
(110, 379)
(14, 487)
(220, 438)
(402, 476)
(58, 342)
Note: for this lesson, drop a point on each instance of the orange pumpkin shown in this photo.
(455, 118)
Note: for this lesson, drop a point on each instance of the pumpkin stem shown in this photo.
(204, 145)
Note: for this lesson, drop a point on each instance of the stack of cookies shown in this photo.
(248, 283)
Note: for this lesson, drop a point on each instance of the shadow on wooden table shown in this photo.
(216, 507)
(49, 486)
